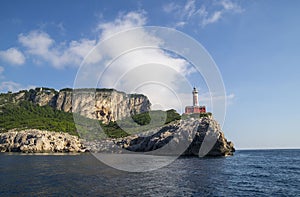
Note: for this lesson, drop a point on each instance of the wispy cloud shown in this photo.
(40, 45)
(12, 56)
(170, 7)
(192, 12)
(13, 86)
(229, 5)
(216, 16)
(189, 9)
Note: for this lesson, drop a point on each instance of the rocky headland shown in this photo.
(190, 137)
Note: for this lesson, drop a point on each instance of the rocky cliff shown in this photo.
(190, 137)
(102, 104)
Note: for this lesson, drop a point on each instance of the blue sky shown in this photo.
(255, 44)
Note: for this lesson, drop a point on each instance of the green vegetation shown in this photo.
(172, 115)
(45, 89)
(93, 129)
(26, 115)
(66, 89)
(148, 120)
(159, 116)
(23, 114)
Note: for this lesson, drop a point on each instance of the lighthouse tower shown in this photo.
(195, 109)
(195, 97)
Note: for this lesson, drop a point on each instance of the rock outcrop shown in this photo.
(38, 141)
(102, 104)
(199, 137)
(108, 105)
(191, 137)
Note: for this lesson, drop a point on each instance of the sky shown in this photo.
(255, 45)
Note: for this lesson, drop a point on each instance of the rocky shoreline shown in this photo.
(39, 141)
(191, 137)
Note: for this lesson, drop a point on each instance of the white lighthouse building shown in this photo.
(195, 97)
(195, 108)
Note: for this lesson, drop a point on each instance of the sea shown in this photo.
(247, 173)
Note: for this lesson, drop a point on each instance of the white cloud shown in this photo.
(212, 19)
(121, 23)
(40, 45)
(13, 86)
(151, 71)
(162, 72)
(13, 56)
(140, 37)
(189, 8)
(230, 6)
(180, 24)
(170, 7)
(191, 12)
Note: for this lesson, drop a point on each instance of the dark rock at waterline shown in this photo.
(190, 137)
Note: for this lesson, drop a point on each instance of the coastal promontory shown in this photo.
(41, 120)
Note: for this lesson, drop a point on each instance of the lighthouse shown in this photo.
(195, 97)
(195, 109)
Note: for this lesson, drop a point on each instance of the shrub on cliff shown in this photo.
(26, 115)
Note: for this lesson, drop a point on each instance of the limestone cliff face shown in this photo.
(64, 101)
(190, 137)
(108, 105)
(102, 104)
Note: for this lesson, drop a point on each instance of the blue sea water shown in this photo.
(248, 173)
